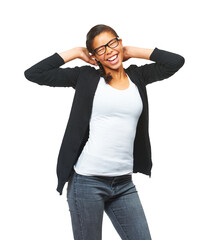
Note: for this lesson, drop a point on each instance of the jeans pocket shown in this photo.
(71, 181)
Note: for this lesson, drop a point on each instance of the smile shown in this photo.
(113, 59)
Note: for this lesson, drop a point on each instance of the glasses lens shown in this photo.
(100, 50)
(113, 43)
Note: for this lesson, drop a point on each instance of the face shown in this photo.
(113, 57)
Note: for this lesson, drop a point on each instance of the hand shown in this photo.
(126, 55)
(85, 56)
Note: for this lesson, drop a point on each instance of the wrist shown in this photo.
(126, 53)
(143, 53)
(77, 51)
(69, 54)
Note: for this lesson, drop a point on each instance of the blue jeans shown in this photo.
(89, 196)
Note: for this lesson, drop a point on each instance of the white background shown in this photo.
(178, 198)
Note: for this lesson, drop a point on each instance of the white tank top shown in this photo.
(113, 122)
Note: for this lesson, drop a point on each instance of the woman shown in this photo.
(106, 138)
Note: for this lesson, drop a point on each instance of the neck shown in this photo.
(118, 74)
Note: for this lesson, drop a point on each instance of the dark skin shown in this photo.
(120, 53)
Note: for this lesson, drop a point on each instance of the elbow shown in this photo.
(180, 62)
(32, 76)
(176, 65)
(28, 75)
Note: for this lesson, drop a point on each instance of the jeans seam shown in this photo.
(78, 212)
(127, 238)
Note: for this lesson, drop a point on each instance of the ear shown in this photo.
(93, 57)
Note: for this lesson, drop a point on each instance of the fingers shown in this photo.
(93, 62)
(87, 57)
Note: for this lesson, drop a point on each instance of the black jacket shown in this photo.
(85, 80)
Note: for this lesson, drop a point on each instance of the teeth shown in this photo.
(112, 58)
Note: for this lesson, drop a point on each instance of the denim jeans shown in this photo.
(89, 196)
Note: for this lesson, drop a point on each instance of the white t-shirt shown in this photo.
(113, 122)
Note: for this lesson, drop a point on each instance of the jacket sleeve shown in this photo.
(166, 64)
(48, 72)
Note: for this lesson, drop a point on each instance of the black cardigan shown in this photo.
(85, 80)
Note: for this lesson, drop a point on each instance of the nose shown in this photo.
(108, 50)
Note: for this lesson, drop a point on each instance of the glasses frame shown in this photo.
(106, 45)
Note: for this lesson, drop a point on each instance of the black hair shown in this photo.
(93, 32)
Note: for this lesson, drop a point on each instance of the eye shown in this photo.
(113, 43)
(100, 50)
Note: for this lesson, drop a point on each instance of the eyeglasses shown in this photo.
(102, 49)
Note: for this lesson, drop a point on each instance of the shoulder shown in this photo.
(87, 73)
(88, 69)
(136, 73)
(134, 69)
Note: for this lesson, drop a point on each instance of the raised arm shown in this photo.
(166, 63)
(48, 71)
(136, 52)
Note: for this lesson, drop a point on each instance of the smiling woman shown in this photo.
(107, 135)
(107, 49)
(96, 41)
(112, 58)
